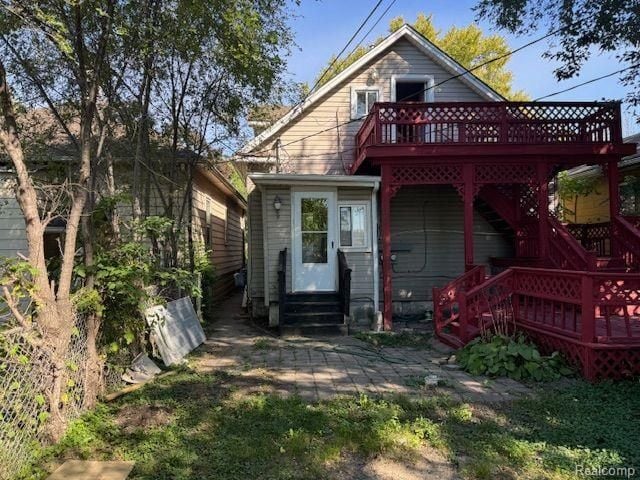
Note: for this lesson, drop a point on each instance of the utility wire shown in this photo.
(469, 70)
(376, 23)
(328, 69)
(495, 59)
(587, 82)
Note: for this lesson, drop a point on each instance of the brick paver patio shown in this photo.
(318, 368)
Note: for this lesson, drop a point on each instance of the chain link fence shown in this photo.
(26, 375)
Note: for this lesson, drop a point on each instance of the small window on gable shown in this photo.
(354, 226)
(362, 100)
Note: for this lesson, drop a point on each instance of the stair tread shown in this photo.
(308, 324)
(313, 314)
(313, 302)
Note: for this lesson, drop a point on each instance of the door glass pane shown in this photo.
(314, 214)
(314, 247)
(358, 226)
(345, 226)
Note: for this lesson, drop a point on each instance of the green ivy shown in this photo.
(503, 356)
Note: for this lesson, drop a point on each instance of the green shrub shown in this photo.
(503, 356)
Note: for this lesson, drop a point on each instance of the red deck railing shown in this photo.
(447, 300)
(565, 251)
(592, 317)
(496, 123)
(620, 238)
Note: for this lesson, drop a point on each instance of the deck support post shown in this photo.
(385, 226)
(543, 211)
(613, 176)
(467, 175)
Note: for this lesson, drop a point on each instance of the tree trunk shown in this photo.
(50, 322)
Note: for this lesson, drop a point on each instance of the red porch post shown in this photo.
(614, 189)
(613, 175)
(385, 220)
(543, 211)
(467, 175)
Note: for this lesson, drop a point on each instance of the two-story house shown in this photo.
(400, 185)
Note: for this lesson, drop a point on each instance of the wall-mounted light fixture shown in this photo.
(277, 205)
(372, 78)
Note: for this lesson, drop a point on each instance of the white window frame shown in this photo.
(428, 80)
(354, 99)
(366, 248)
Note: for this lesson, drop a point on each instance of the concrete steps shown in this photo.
(313, 314)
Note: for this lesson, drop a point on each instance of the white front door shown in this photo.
(314, 244)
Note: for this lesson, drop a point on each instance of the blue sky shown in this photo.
(323, 27)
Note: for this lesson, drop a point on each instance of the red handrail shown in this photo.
(450, 297)
(626, 242)
(567, 252)
(491, 122)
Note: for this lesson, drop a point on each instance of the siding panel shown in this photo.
(428, 240)
(12, 231)
(320, 153)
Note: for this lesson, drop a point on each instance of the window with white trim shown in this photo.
(355, 230)
(362, 100)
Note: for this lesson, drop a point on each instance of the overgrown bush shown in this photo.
(132, 274)
(516, 358)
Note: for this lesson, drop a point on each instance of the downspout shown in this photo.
(374, 245)
(265, 247)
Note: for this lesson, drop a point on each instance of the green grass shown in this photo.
(263, 344)
(393, 339)
(195, 426)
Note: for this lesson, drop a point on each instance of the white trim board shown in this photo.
(428, 80)
(419, 41)
(310, 180)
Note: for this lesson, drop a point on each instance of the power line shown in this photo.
(495, 59)
(328, 69)
(376, 22)
(316, 155)
(587, 82)
(468, 70)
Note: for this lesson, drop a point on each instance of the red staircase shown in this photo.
(583, 299)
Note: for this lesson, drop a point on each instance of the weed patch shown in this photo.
(393, 339)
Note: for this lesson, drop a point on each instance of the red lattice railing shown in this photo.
(566, 252)
(593, 236)
(626, 242)
(512, 123)
(592, 317)
(446, 303)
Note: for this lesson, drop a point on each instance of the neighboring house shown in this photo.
(398, 186)
(594, 207)
(219, 213)
(218, 220)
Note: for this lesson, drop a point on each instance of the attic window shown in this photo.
(362, 100)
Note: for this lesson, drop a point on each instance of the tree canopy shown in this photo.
(587, 28)
(468, 45)
(114, 78)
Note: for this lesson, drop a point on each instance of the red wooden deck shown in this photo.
(505, 154)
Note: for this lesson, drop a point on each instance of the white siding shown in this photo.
(318, 154)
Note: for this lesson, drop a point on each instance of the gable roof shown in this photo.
(406, 32)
